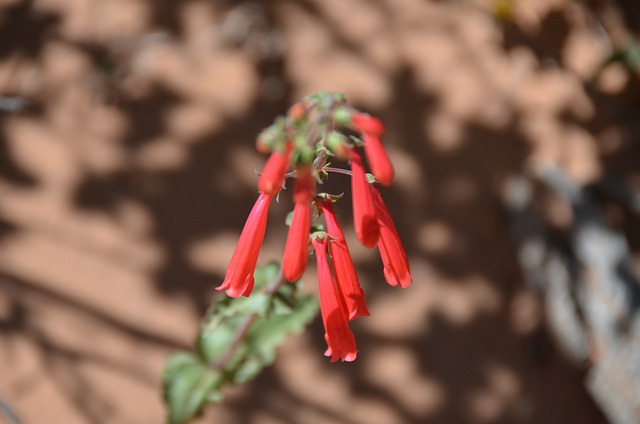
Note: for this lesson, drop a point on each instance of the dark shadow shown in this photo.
(9, 169)
(23, 288)
(148, 116)
(547, 43)
(24, 30)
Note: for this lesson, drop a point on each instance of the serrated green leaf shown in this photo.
(213, 344)
(265, 274)
(339, 97)
(191, 380)
(188, 384)
(267, 335)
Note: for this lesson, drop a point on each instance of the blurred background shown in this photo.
(127, 169)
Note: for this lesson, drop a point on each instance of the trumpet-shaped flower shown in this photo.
(296, 252)
(364, 215)
(394, 257)
(340, 340)
(345, 272)
(238, 280)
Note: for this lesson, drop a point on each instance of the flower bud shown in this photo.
(337, 143)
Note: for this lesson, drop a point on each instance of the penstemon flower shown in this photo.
(304, 141)
(345, 271)
(364, 215)
(238, 280)
(394, 258)
(296, 251)
(339, 338)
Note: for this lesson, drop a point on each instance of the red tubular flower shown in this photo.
(274, 171)
(394, 258)
(367, 124)
(378, 159)
(364, 214)
(346, 276)
(339, 337)
(296, 253)
(238, 280)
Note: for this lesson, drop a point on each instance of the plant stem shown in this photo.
(337, 170)
(245, 326)
(8, 413)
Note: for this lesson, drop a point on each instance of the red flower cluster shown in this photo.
(341, 298)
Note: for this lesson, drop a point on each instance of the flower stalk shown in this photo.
(301, 146)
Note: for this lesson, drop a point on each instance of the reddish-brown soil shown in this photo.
(126, 178)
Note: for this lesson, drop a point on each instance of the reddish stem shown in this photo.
(245, 326)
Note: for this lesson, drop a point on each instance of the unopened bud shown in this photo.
(271, 138)
(297, 111)
(264, 142)
(337, 143)
(342, 116)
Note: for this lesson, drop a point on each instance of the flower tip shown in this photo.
(238, 290)
(347, 357)
(406, 281)
(294, 272)
(361, 311)
(386, 179)
(350, 357)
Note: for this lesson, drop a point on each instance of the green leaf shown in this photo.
(188, 384)
(339, 97)
(262, 320)
(267, 335)
(289, 219)
(631, 55)
(265, 274)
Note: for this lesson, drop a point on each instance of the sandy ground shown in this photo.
(125, 180)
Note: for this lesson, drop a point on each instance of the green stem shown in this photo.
(245, 326)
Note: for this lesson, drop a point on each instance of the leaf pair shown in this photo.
(238, 338)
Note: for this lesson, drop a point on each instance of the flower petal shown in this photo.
(345, 272)
(378, 159)
(364, 215)
(338, 335)
(238, 280)
(394, 257)
(296, 251)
